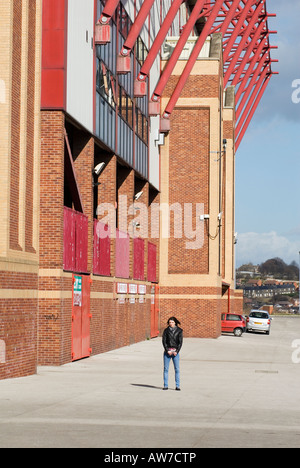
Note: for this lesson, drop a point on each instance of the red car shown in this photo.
(233, 323)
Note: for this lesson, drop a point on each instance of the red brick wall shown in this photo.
(51, 310)
(200, 318)
(18, 324)
(19, 278)
(188, 182)
(113, 324)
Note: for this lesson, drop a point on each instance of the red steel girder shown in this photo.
(145, 69)
(178, 49)
(263, 66)
(193, 57)
(239, 26)
(242, 62)
(108, 11)
(246, 122)
(244, 26)
(136, 27)
(256, 60)
(241, 67)
(243, 42)
(228, 16)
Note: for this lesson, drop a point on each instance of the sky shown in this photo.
(268, 159)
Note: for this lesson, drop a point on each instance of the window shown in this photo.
(105, 83)
(141, 125)
(141, 51)
(124, 21)
(232, 317)
(125, 106)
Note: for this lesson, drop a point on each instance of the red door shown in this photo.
(81, 317)
(154, 311)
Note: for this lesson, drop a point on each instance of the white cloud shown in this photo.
(258, 247)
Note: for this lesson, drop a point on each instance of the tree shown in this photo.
(278, 268)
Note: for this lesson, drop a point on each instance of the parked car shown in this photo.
(233, 323)
(259, 320)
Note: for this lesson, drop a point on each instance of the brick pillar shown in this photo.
(52, 189)
(153, 224)
(141, 215)
(125, 186)
(83, 155)
(51, 238)
(107, 196)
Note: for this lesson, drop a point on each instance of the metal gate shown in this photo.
(81, 317)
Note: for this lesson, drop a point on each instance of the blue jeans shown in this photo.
(175, 360)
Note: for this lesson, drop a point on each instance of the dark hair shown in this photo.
(175, 320)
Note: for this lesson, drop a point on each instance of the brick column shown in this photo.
(83, 155)
(51, 238)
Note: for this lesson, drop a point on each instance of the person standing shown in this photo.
(172, 342)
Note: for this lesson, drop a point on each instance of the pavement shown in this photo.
(235, 393)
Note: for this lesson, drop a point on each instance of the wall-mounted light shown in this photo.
(97, 169)
(138, 195)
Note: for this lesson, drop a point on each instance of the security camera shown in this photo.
(138, 195)
(203, 217)
(97, 169)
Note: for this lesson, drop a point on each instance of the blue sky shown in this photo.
(268, 159)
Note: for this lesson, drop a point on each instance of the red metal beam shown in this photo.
(136, 27)
(145, 69)
(262, 67)
(178, 49)
(245, 125)
(108, 11)
(242, 66)
(257, 47)
(193, 57)
(255, 60)
(239, 26)
(229, 16)
(255, 85)
(242, 43)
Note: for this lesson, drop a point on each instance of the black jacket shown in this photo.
(172, 340)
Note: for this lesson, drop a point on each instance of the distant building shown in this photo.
(266, 291)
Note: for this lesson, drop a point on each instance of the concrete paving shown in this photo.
(236, 392)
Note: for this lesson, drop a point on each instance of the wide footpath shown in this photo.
(236, 392)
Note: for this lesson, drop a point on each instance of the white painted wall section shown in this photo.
(80, 62)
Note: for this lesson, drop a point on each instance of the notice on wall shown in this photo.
(122, 288)
(142, 289)
(77, 291)
(132, 288)
(122, 298)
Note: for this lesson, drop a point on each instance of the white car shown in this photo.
(258, 320)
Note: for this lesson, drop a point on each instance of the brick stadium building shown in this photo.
(119, 124)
